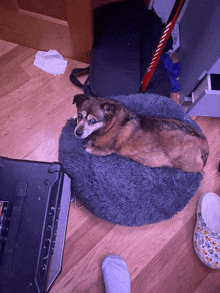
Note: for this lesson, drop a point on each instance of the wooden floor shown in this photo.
(34, 107)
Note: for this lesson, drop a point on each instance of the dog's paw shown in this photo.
(89, 147)
(89, 150)
(88, 143)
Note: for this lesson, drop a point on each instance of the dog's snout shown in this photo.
(79, 132)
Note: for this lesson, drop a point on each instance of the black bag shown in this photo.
(125, 36)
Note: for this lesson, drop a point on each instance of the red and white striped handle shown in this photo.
(161, 43)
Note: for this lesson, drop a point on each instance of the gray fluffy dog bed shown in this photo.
(120, 190)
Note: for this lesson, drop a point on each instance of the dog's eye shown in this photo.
(80, 116)
(92, 121)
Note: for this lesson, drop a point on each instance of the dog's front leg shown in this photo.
(96, 151)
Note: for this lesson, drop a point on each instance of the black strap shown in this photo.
(86, 88)
(74, 79)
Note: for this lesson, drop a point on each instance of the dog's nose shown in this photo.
(79, 132)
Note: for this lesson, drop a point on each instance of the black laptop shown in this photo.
(34, 205)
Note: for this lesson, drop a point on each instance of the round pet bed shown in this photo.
(120, 190)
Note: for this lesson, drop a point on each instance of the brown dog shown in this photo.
(155, 142)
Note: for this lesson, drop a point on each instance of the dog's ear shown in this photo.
(79, 99)
(108, 109)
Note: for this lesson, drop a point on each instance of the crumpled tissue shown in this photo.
(51, 62)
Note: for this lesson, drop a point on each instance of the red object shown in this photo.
(178, 5)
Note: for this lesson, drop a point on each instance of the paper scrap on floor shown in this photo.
(51, 62)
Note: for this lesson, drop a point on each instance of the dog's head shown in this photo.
(93, 114)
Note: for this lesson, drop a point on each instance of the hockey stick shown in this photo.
(178, 5)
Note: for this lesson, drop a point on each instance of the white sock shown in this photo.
(116, 275)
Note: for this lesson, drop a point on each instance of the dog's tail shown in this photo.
(204, 151)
